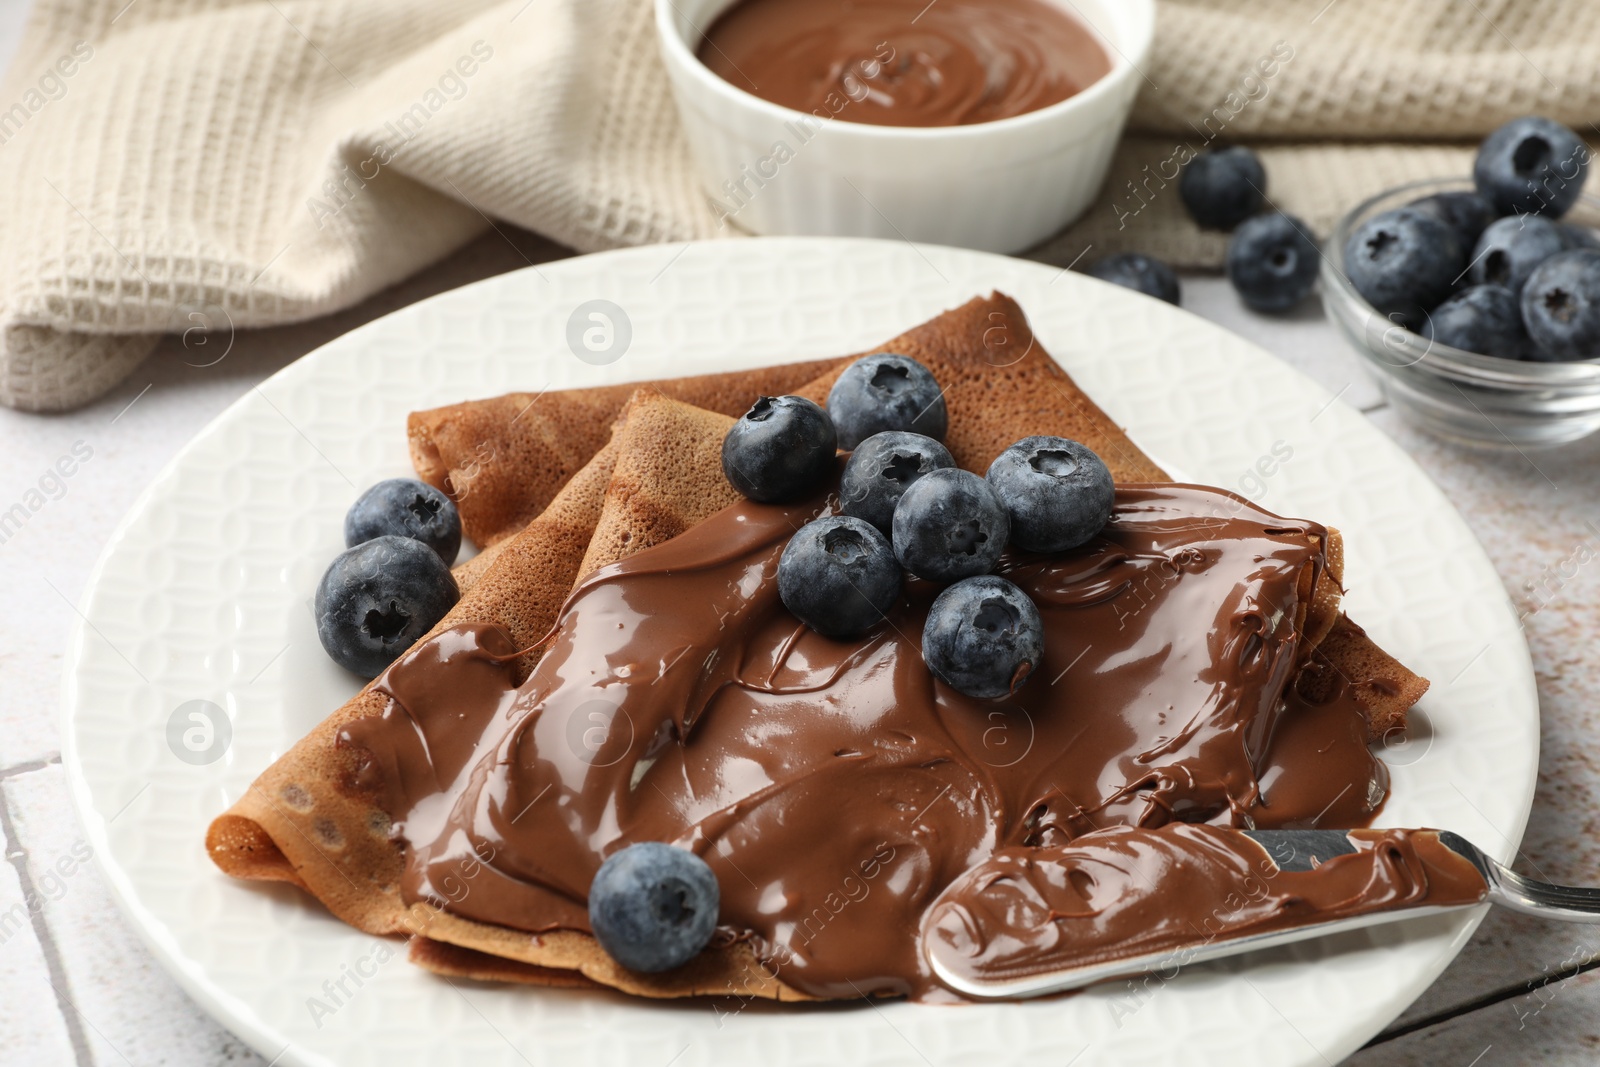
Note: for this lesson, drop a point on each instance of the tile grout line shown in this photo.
(1484, 1000)
(17, 856)
(28, 766)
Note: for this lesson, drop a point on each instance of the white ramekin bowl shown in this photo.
(996, 186)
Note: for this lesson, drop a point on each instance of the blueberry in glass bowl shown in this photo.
(1469, 397)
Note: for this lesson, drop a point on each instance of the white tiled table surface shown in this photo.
(76, 985)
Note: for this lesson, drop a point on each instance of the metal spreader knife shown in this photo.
(1292, 851)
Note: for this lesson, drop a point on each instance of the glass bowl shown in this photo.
(1480, 400)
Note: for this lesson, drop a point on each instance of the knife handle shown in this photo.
(1507, 888)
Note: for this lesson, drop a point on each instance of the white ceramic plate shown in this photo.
(203, 595)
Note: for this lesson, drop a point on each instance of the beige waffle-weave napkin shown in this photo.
(168, 165)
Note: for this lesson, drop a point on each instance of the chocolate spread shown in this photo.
(1128, 891)
(835, 787)
(905, 62)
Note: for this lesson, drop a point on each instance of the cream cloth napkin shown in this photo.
(173, 165)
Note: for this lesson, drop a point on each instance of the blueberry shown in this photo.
(1511, 247)
(405, 507)
(1486, 319)
(949, 525)
(781, 449)
(653, 907)
(1468, 214)
(1272, 261)
(1131, 270)
(1578, 236)
(1224, 187)
(378, 598)
(983, 637)
(882, 468)
(1531, 166)
(1403, 262)
(1561, 306)
(1058, 492)
(886, 392)
(838, 575)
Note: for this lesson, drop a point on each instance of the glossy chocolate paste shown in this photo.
(905, 62)
(1129, 891)
(834, 787)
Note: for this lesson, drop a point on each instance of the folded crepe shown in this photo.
(560, 484)
(504, 459)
